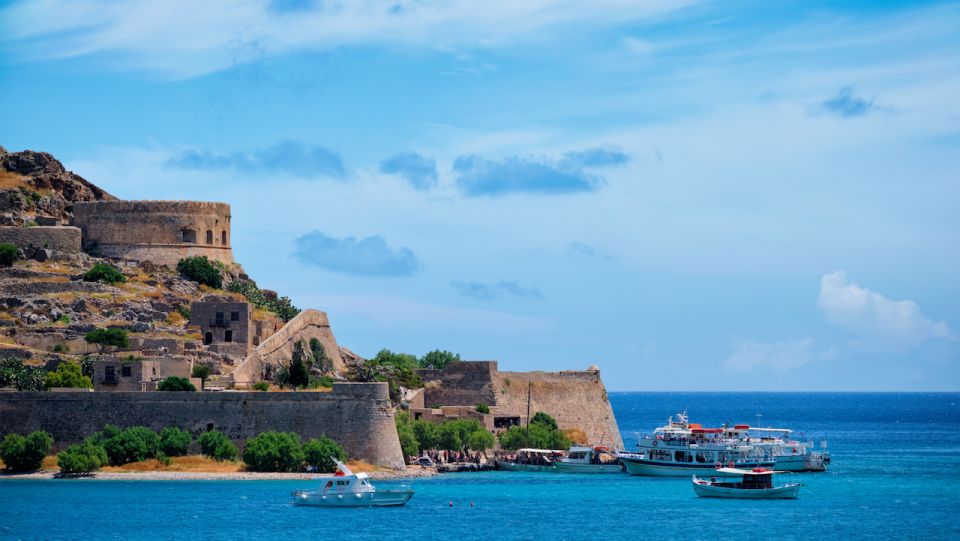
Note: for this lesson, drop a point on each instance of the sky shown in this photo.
(691, 195)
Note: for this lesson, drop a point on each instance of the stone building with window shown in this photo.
(227, 325)
(126, 374)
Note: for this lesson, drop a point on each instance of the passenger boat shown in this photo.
(531, 460)
(348, 489)
(754, 484)
(788, 454)
(586, 459)
(682, 448)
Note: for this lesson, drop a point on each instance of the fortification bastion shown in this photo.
(163, 232)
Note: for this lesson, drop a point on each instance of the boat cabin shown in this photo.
(755, 479)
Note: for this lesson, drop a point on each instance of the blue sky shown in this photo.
(691, 195)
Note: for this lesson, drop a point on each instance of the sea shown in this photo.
(890, 478)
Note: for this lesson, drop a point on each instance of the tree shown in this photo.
(408, 438)
(67, 374)
(175, 441)
(427, 434)
(480, 440)
(82, 458)
(25, 453)
(320, 453)
(216, 446)
(174, 383)
(8, 254)
(22, 377)
(438, 359)
(274, 452)
(541, 418)
(101, 272)
(115, 337)
(199, 269)
(299, 372)
(321, 362)
(449, 438)
(134, 444)
(265, 300)
(201, 371)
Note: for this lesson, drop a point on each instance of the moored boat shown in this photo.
(347, 489)
(753, 484)
(788, 454)
(586, 459)
(540, 460)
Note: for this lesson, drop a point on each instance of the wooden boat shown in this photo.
(541, 460)
(586, 459)
(347, 489)
(744, 484)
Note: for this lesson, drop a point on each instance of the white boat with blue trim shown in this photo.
(754, 484)
(348, 489)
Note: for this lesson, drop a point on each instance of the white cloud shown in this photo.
(780, 356)
(183, 38)
(881, 323)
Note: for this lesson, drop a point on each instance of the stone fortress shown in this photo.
(79, 223)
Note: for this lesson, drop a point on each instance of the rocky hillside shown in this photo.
(36, 188)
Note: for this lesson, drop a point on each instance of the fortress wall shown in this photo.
(460, 384)
(277, 350)
(357, 415)
(158, 231)
(56, 238)
(574, 399)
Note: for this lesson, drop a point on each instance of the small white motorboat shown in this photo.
(586, 459)
(744, 484)
(348, 489)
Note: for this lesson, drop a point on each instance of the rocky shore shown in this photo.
(410, 472)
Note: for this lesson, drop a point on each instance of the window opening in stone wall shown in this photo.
(109, 374)
(228, 336)
(219, 317)
(189, 235)
(208, 338)
(256, 340)
(234, 316)
(223, 238)
(126, 371)
(209, 236)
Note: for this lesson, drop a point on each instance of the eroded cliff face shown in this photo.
(35, 186)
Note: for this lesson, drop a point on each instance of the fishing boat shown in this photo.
(348, 489)
(531, 460)
(681, 448)
(586, 459)
(753, 484)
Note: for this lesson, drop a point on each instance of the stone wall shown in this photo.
(159, 231)
(357, 415)
(575, 399)
(58, 239)
(277, 350)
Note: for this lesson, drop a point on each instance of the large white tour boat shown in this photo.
(788, 454)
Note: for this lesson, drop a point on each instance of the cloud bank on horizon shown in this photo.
(657, 187)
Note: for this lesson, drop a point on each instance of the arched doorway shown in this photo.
(223, 238)
(209, 236)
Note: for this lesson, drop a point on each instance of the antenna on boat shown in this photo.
(526, 438)
(759, 415)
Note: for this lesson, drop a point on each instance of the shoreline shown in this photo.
(410, 472)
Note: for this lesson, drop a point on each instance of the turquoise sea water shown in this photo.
(891, 477)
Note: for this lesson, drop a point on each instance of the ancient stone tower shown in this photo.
(163, 232)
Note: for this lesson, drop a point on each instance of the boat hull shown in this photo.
(571, 467)
(797, 463)
(380, 498)
(659, 469)
(516, 466)
(786, 492)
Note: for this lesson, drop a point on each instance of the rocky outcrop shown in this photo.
(35, 187)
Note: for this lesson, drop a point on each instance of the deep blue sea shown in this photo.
(891, 477)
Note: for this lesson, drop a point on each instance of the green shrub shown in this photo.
(101, 272)
(201, 371)
(134, 444)
(216, 446)
(541, 418)
(25, 453)
(67, 374)
(281, 306)
(82, 458)
(108, 337)
(323, 381)
(201, 270)
(8, 254)
(320, 453)
(22, 377)
(262, 386)
(299, 372)
(483, 408)
(184, 311)
(174, 383)
(274, 452)
(61, 348)
(438, 359)
(65, 319)
(175, 441)
(320, 360)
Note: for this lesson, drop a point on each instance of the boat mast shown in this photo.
(526, 434)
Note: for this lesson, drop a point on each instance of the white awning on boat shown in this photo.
(738, 471)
